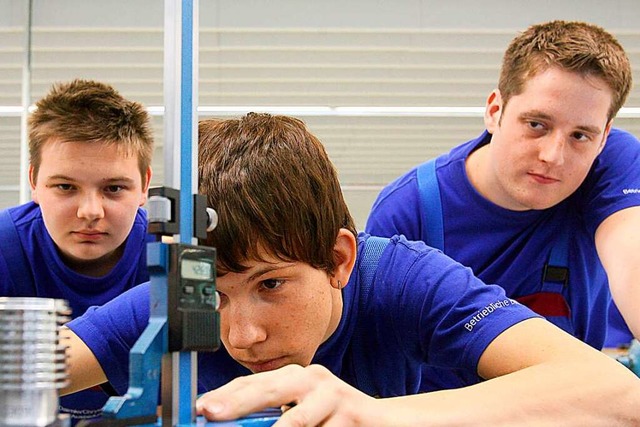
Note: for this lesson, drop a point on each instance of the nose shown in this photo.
(551, 149)
(90, 206)
(244, 329)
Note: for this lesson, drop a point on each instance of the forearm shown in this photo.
(84, 371)
(625, 289)
(618, 245)
(546, 377)
(537, 374)
(576, 393)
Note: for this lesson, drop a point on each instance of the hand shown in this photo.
(309, 396)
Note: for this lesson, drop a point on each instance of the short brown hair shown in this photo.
(90, 111)
(274, 189)
(574, 46)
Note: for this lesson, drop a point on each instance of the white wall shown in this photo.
(396, 53)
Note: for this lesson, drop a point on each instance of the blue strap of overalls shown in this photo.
(556, 271)
(432, 225)
(371, 253)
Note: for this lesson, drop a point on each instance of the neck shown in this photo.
(336, 313)
(474, 166)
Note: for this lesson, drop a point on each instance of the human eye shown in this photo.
(535, 125)
(271, 284)
(64, 187)
(581, 137)
(114, 189)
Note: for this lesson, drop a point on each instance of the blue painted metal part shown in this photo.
(265, 418)
(186, 121)
(145, 359)
(259, 419)
(142, 396)
(187, 185)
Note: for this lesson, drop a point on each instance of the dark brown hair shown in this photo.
(274, 189)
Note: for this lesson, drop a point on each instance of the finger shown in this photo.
(252, 393)
(315, 409)
(329, 403)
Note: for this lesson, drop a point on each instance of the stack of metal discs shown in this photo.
(32, 360)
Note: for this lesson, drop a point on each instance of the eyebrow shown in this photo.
(108, 180)
(264, 270)
(119, 179)
(544, 116)
(591, 129)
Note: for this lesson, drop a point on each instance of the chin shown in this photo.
(88, 257)
(537, 201)
(540, 206)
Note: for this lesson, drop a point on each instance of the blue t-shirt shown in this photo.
(49, 277)
(422, 309)
(510, 248)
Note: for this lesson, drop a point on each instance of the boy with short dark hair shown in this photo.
(300, 288)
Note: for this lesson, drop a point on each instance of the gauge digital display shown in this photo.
(192, 269)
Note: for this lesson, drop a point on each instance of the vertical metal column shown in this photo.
(25, 190)
(181, 163)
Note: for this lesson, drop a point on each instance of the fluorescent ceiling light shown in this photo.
(334, 111)
(295, 110)
(361, 111)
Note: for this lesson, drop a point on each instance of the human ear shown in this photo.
(493, 111)
(344, 252)
(145, 185)
(607, 129)
(32, 184)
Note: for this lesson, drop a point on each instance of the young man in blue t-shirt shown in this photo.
(339, 317)
(550, 183)
(83, 236)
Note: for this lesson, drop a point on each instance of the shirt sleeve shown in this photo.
(454, 314)
(613, 183)
(111, 330)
